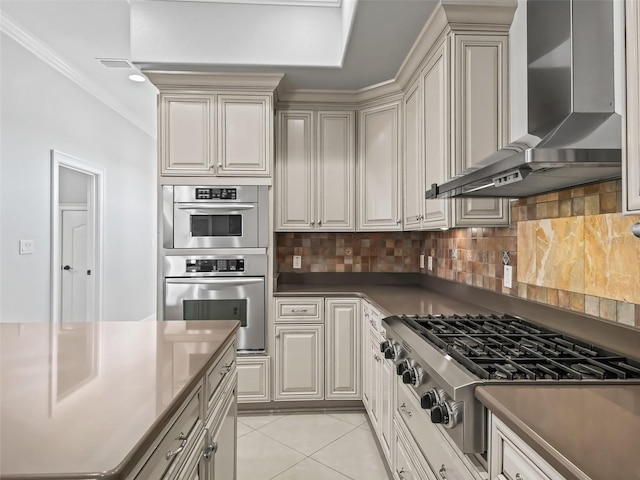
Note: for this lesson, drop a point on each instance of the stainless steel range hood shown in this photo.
(574, 135)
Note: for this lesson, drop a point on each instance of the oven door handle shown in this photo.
(214, 283)
(195, 207)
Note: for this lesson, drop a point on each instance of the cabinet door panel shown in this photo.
(294, 172)
(343, 353)
(374, 380)
(413, 178)
(378, 169)
(481, 118)
(387, 395)
(244, 135)
(253, 379)
(299, 362)
(224, 443)
(335, 182)
(186, 144)
(436, 136)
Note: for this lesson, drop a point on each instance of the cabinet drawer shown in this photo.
(406, 466)
(298, 310)
(174, 446)
(219, 372)
(517, 466)
(512, 458)
(438, 452)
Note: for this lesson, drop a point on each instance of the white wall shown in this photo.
(42, 110)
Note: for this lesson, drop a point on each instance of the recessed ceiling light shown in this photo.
(137, 78)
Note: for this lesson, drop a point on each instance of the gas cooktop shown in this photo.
(503, 347)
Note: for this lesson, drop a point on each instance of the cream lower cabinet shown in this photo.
(343, 353)
(254, 379)
(511, 458)
(379, 202)
(455, 115)
(379, 382)
(318, 348)
(631, 151)
(299, 369)
(315, 171)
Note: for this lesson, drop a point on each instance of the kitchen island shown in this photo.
(116, 400)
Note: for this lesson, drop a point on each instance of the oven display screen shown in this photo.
(216, 225)
(216, 193)
(216, 310)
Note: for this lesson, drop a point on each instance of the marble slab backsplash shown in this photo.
(571, 249)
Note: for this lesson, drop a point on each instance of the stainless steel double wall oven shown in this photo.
(215, 262)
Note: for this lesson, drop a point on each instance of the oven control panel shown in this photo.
(216, 265)
(203, 193)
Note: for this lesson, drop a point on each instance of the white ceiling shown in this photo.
(79, 31)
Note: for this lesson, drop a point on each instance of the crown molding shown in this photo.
(34, 45)
(166, 80)
(459, 16)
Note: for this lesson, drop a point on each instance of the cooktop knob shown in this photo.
(401, 367)
(390, 353)
(439, 414)
(384, 345)
(409, 376)
(429, 399)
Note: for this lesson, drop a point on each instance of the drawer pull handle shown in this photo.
(401, 474)
(405, 410)
(183, 442)
(226, 369)
(443, 472)
(212, 448)
(299, 310)
(519, 477)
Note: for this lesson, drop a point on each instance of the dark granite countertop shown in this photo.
(584, 432)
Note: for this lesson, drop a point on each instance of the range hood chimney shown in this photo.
(574, 135)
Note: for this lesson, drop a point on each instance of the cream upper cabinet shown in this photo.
(435, 79)
(186, 144)
(413, 165)
(245, 135)
(378, 170)
(426, 150)
(315, 171)
(215, 124)
(343, 355)
(631, 152)
(480, 118)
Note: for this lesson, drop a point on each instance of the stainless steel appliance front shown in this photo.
(215, 217)
(219, 287)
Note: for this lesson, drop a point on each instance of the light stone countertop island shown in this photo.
(88, 400)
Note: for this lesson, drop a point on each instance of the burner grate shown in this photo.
(508, 348)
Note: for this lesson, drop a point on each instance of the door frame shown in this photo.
(95, 217)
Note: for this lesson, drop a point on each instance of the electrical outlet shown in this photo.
(469, 255)
(26, 247)
(297, 261)
(430, 263)
(454, 254)
(508, 276)
(422, 261)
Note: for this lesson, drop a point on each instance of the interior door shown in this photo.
(76, 279)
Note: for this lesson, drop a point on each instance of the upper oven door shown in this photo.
(215, 225)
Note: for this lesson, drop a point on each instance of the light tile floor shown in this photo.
(336, 446)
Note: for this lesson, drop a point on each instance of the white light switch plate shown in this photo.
(421, 261)
(430, 263)
(26, 247)
(508, 276)
(297, 261)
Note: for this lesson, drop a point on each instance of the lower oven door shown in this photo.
(222, 298)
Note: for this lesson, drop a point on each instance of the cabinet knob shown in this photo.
(313, 223)
(399, 221)
(519, 477)
(401, 473)
(319, 223)
(443, 472)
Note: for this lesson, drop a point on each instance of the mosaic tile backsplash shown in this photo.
(570, 249)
